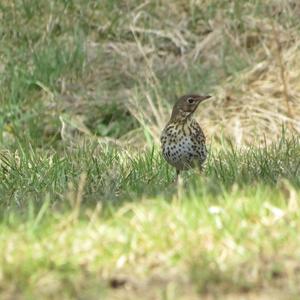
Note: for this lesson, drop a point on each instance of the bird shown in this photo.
(182, 139)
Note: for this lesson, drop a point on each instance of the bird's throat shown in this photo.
(181, 117)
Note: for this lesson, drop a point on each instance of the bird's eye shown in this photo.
(190, 100)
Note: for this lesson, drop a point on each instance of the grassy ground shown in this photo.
(86, 223)
(88, 209)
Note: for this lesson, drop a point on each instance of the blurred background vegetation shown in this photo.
(110, 68)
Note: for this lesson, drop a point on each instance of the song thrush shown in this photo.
(182, 140)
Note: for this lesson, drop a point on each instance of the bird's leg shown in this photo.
(177, 176)
(200, 169)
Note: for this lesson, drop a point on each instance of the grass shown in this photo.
(88, 208)
(94, 221)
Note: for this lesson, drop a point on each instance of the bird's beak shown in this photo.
(202, 98)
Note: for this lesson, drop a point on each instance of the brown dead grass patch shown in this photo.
(252, 106)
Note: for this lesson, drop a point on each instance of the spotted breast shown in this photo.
(183, 145)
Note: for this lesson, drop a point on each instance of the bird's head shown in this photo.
(186, 106)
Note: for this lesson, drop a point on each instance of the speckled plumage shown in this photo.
(182, 140)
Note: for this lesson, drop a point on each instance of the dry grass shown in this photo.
(251, 106)
(259, 102)
(140, 56)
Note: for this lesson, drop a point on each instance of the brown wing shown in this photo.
(199, 141)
